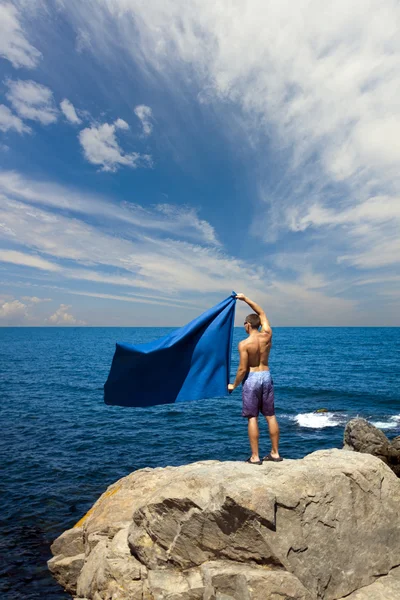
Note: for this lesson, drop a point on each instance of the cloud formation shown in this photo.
(9, 121)
(27, 260)
(63, 317)
(316, 86)
(69, 112)
(14, 45)
(101, 147)
(167, 220)
(145, 115)
(159, 268)
(32, 101)
(35, 299)
(13, 310)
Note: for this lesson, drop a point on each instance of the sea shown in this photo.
(61, 446)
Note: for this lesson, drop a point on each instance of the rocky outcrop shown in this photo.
(362, 436)
(322, 527)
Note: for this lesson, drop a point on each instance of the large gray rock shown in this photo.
(362, 436)
(317, 528)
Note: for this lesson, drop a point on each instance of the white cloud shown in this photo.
(121, 124)
(69, 112)
(316, 85)
(163, 219)
(32, 101)
(13, 310)
(148, 263)
(372, 227)
(63, 317)
(10, 121)
(83, 41)
(26, 260)
(13, 43)
(139, 299)
(35, 299)
(145, 114)
(100, 147)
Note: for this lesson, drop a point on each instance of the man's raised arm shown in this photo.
(265, 325)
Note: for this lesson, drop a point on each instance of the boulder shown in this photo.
(362, 436)
(321, 527)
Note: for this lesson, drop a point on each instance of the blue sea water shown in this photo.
(61, 446)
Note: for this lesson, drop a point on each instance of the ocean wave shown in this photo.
(384, 424)
(392, 423)
(314, 420)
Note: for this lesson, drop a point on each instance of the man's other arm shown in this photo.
(242, 368)
(265, 325)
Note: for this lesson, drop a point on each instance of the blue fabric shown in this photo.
(191, 363)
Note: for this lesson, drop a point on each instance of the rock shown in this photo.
(317, 528)
(238, 581)
(66, 570)
(386, 588)
(362, 436)
(69, 543)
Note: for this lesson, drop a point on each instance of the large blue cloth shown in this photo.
(191, 363)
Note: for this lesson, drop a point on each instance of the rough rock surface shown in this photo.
(362, 436)
(317, 528)
(385, 588)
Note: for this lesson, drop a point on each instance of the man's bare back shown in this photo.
(258, 347)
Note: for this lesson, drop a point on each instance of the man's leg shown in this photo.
(274, 435)
(254, 435)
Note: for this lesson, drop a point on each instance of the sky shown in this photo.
(157, 155)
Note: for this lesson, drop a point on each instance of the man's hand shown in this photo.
(231, 387)
(240, 296)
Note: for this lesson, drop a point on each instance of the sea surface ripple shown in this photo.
(61, 446)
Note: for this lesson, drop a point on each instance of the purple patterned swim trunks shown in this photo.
(258, 394)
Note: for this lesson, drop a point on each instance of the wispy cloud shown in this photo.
(26, 260)
(372, 229)
(101, 147)
(14, 45)
(145, 115)
(164, 219)
(76, 250)
(315, 85)
(82, 41)
(35, 299)
(32, 101)
(69, 112)
(308, 96)
(9, 121)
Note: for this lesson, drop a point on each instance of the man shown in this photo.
(258, 387)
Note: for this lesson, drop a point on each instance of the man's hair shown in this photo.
(253, 320)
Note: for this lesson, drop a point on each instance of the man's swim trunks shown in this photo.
(258, 394)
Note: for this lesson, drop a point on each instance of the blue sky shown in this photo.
(155, 156)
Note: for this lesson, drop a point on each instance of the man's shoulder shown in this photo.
(265, 334)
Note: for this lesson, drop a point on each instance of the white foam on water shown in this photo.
(395, 418)
(386, 424)
(317, 420)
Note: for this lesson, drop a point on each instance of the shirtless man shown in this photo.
(258, 387)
